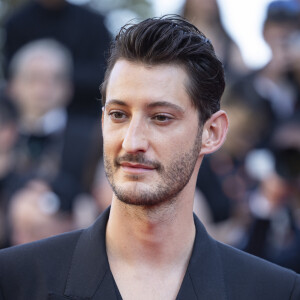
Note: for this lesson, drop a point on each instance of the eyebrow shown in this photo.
(116, 102)
(150, 105)
(165, 104)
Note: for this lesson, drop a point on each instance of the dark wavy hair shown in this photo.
(173, 40)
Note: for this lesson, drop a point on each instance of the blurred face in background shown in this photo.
(40, 83)
(197, 8)
(277, 37)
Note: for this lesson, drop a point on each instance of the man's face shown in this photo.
(151, 133)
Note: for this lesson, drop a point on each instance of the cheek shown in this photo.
(111, 143)
(113, 134)
(173, 146)
(180, 140)
(107, 147)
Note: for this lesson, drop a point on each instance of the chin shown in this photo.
(142, 195)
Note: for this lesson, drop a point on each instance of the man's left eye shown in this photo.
(162, 118)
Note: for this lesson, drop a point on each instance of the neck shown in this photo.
(157, 237)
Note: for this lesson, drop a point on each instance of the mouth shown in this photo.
(136, 168)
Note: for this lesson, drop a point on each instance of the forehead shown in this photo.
(139, 83)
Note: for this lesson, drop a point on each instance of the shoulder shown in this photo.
(266, 279)
(235, 274)
(38, 261)
(55, 265)
(43, 248)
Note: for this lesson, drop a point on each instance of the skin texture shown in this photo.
(153, 149)
(146, 172)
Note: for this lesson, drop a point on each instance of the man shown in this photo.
(41, 87)
(161, 115)
(68, 24)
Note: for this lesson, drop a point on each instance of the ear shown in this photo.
(214, 132)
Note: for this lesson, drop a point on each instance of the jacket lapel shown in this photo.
(90, 276)
(204, 275)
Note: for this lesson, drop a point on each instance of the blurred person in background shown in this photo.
(79, 29)
(50, 144)
(40, 85)
(267, 91)
(255, 104)
(205, 14)
(258, 104)
(8, 137)
(274, 233)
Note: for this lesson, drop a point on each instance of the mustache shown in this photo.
(138, 158)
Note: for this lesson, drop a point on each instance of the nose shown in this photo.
(135, 139)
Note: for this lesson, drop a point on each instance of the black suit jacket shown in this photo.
(75, 266)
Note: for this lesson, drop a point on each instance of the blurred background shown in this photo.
(52, 61)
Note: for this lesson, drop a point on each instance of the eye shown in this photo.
(162, 118)
(117, 116)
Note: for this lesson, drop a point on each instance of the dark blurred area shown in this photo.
(250, 188)
(51, 171)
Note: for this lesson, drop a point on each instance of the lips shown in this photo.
(136, 168)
